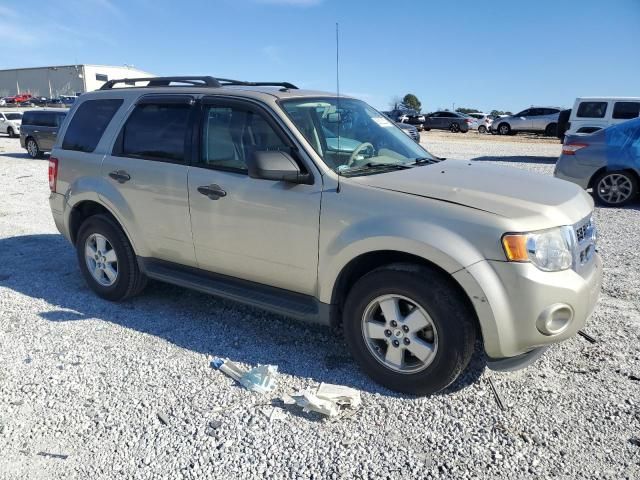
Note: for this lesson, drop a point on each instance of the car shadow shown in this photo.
(23, 156)
(45, 267)
(518, 159)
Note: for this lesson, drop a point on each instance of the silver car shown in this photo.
(321, 209)
(534, 119)
(607, 161)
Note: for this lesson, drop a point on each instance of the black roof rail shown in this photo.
(205, 81)
(226, 81)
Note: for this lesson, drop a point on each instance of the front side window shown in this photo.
(88, 124)
(592, 110)
(351, 137)
(626, 110)
(156, 132)
(524, 113)
(14, 116)
(230, 134)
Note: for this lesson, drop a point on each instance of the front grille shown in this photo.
(585, 247)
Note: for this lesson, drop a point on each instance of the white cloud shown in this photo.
(17, 33)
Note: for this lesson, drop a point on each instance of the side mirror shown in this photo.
(275, 165)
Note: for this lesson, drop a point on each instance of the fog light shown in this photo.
(554, 319)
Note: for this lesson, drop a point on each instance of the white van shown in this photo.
(590, 114)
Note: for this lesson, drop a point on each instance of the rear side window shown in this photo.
(626, 110)
(592, 110)
(89, 123)
(156, 132)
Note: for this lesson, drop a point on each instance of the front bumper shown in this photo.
(511, 298)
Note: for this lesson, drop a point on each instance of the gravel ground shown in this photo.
(89, 380)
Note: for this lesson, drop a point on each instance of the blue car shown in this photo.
(607, 161)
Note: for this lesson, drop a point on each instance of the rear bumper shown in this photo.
(568, 168)
(57, 202)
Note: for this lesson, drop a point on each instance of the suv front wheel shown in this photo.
(107, 260)
(408, 328)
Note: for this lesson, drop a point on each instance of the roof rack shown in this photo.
(205, 81)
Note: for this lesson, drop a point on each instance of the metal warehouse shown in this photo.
(62, 80)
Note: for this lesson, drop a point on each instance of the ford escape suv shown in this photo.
(319, 208)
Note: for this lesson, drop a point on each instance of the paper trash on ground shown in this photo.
(261, 379)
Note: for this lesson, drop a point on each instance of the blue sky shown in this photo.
(495, 54)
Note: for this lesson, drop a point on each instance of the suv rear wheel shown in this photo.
(32, 148)
(551, 130)
(107, 260)
(406, 336)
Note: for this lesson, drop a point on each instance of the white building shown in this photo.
(62, 80)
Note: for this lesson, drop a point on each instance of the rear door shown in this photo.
(258, 230)
(46, 126)
(148, 168)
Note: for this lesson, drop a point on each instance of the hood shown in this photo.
(539, 200)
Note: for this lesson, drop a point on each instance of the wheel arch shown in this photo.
(612, 169)
(85, 209)
(364, 263)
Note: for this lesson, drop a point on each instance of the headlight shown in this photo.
(549, 250)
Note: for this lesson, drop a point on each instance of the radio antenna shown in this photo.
(338, 95)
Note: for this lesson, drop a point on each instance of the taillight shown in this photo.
(469, 120)
(53, 173)
(572, 148)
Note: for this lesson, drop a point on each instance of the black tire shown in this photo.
(482, 129)
(10, 132)
(601, 196)
(449, 312)
(427, 129)
(454, 127)
(504, 128)
(130, 280)
(551, 130)
(32, 148)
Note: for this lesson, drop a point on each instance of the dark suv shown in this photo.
(40, 129)
(453, 121)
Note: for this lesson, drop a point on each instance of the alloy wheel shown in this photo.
(399, 333)
(32, 148)
(101, 259)
(615, 188)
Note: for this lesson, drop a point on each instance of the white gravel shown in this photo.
(89, 379)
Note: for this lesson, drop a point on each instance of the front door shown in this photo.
(148, 168)
(258, 230)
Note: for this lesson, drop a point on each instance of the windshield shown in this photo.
(13, 116)
(351, 137)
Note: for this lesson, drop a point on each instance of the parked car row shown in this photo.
(26, 100)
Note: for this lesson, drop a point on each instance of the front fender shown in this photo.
(443, 247)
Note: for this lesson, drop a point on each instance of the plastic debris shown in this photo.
(339, 394)
(261, 379)
(328, 399)
(311, 403)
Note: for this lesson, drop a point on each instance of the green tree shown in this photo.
(467, 110)
(412, 102)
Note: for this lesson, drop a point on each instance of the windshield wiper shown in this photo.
(377, 166)
(425, 161)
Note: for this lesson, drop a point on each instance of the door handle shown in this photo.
(120, 176)
(214, 192)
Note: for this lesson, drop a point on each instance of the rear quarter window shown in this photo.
(626, 110)
(89, 123)
(592, 110)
